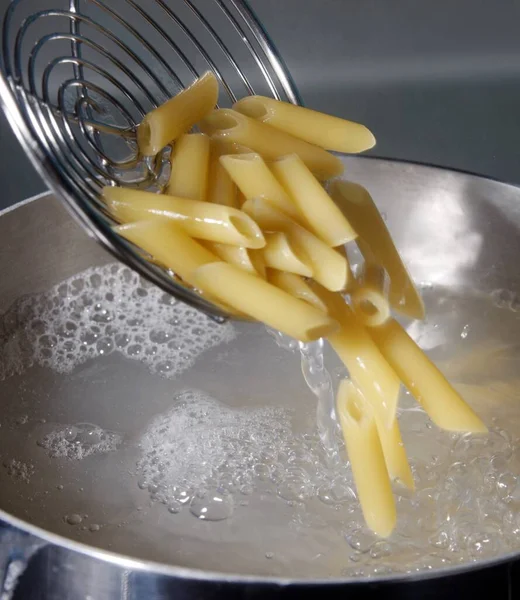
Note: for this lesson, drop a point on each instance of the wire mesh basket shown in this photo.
(78, 76)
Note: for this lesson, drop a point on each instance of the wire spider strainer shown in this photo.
(78, 76)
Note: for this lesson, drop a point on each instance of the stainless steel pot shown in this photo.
(460, 239)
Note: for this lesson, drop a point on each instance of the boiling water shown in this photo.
(79, 441)
(206, 461)
(101, 311)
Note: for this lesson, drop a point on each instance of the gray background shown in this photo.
(437, 82)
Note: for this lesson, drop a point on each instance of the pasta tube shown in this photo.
(367, 366)
(296, 286)
(189, 174)
(369, 299)
(166, 123)
(367, 460)
(326, 131)
(321, 214)
(263, 301)
(279, 253)
(359, 208)
(203, 220)
(221, 188)
(330, 267)
(255, 180)
(429, 386)
(249, 260)
(395, 453)
(169, 245)
(269, 142)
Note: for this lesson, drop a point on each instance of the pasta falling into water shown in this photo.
(248, 222)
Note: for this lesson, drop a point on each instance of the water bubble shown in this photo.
(79, 441)
(159, 336)
(294, 488)
(480, 544)
(360, 539)
(440, 540)
(213, 506)
(95, 313)
(104, 346)
(174, 507)
(48, 341)
(96, 280)
(380, 549)
(502, 298)
(506, 485)
(262, 471)
(73, 519)
(134, 350)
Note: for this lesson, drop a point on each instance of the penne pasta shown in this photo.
(176, 116)
(296, 286)
(241, 199)
(247, 223)
(366, 364)
(202, 220)
(222, 147)
(249, 260)
(367, 461)
(326, 131)
(279, 253)
(221, 188)
(262, 301)
(369, 299)
(271, 143)
(358, 206)
(189, 172)
(422, 378)
(321, 214)
(330, 267)
(395, 453)
(169, 245)
(255, 180)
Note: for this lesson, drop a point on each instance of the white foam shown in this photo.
(76, 442)
(202, 444)
(19, 470)
(100, 311)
